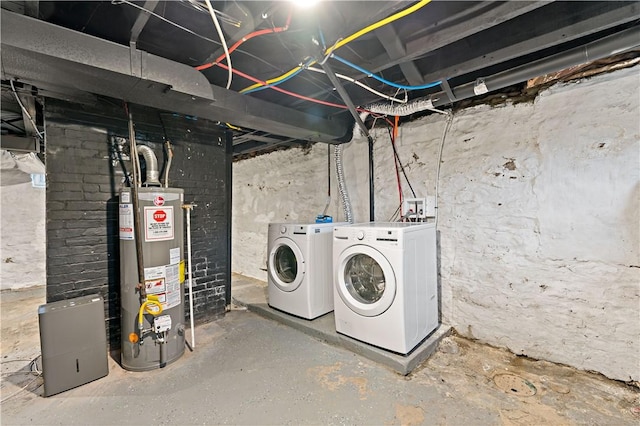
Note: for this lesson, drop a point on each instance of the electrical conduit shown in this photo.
(342, 188)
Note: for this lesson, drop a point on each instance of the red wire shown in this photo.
(278, 89)
(245, 38)
(286, 92)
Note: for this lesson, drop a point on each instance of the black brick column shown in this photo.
(84, 177)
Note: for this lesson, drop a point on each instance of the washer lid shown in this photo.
(365, 280)
(286, 264)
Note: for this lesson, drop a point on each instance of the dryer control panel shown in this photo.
(367, 235)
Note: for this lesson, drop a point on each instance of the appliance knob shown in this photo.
(283, 229)
(360, 235)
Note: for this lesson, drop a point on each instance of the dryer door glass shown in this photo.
(286, 265)
(364, 279)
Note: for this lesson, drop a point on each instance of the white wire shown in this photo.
(444, 136)
(364, 86)
(224, 42)
(37, 372)
(33, 123)
(162, 18)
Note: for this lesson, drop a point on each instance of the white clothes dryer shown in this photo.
(300, 273)
(385, 283)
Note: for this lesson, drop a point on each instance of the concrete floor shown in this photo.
(250, 370)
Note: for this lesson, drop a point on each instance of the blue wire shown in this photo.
(324, 45)
(382, 80)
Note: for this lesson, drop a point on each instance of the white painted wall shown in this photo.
(22, 224)
(542, 259)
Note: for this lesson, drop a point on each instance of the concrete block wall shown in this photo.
(539, 212)
(84, 178)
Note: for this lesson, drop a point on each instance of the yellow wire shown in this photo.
(378, 24)
(232, 127)
(338, 44)
(273, 80)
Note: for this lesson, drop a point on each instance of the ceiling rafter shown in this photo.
(396, 50)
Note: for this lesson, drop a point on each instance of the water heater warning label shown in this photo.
(158, 223)
(126, 221)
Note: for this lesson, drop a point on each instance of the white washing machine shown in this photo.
(385, 283)
(300, 273)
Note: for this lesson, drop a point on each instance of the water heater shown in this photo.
(152, 312)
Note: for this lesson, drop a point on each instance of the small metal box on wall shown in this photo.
(73, 341)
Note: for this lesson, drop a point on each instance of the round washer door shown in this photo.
(286, 264)
(365, 280)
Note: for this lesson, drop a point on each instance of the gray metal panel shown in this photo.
(18, 143)
(73, 340)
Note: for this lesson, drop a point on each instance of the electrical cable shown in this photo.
(224, 43)
(295, 95)
(444, 136)
(292, 74)
(376, 25)
(395, 152)
(117, 2)
(246, 38)
(382, 80)
(395, 214)
(216, 42)
(24, 110)
(36, 371)
(341, 42)
(395, 163)
(364, 86)
(223, 17)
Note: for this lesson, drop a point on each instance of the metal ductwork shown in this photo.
(56, 58)
(151, 162)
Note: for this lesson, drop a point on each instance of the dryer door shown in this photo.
(286, 264)
(365, 280)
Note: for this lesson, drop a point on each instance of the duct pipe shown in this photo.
(153, 173)
(169, 158)
(352, 109)
(342, 187)
(402, 110)
(602, 48)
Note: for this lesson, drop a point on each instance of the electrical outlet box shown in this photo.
(414, 208)
(419, 208)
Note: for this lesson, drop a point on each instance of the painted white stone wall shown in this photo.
(539, 217)
(22, 224)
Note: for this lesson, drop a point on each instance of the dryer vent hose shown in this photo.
(342, 187)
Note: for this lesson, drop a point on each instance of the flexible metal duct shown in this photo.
(402, 110)
(342, 188)
(153, 174)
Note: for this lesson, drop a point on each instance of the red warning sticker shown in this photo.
(158, 200)
(159, 216)
(158, 223)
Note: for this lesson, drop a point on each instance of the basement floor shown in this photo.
(247, 369)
